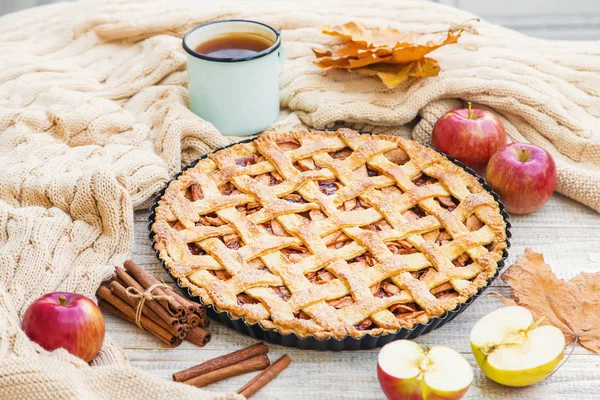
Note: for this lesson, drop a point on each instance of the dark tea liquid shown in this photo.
(234, 45)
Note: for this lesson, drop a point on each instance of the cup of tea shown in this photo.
(233, 69)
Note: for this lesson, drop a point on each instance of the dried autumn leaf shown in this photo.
(572, 306)
(388, 53)
(340, 57)
(356, 32)
(394, 74)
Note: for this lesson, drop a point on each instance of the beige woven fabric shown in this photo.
(94, 120)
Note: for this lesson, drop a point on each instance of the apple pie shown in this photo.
(329, 234)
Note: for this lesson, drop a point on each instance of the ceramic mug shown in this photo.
(239, 96)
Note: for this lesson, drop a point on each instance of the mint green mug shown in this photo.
(239, 96)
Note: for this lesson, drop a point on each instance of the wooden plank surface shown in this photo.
(566, 232)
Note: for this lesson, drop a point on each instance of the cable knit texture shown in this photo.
(94, 120)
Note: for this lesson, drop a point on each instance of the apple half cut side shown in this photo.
(407, 370)
(512, 350)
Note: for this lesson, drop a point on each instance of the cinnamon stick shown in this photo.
(249, 365)
(189, 306)
(201, 311)
(129, 281)
(205, 322)
(160, 333)
(198, 336)
(121, 292)
(265, 377)
(221, 362)
(194, 320)
(172, 305)
(116, 278)
(125, 311)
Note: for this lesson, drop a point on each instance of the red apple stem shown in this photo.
(62, 299)
(524, 155)
(469, 110)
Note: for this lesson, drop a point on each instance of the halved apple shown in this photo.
(409, 371)
(513, 350)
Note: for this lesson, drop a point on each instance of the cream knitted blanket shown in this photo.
(94, 120)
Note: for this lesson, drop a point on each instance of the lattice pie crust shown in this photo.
(330, 233)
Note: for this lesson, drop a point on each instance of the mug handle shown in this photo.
(281, 57)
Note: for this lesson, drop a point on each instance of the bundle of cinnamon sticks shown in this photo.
(239, 362)
(136, 296)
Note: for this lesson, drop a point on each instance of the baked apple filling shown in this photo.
(306, 164)
(194, 192)
(195, 249)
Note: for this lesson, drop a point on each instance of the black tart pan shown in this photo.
(348, 343)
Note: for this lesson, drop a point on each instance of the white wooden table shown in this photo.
(567, 233)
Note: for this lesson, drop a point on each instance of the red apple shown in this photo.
(409, 371)
(523, 175)
(469, 135)
(65, 320)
